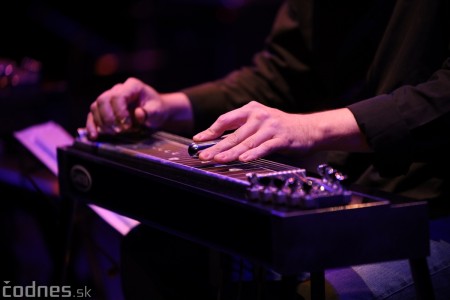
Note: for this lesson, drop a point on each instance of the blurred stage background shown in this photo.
(56, 57)
(84, 47)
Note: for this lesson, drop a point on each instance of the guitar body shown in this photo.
(270, 213)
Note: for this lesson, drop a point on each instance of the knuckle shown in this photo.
(273, 123)
(93, 106)
(132, 80)
(117, 87)
(252, 103)
(259, 116)
(221, 119)
(233, 139)
(102, 101)
(249, 143)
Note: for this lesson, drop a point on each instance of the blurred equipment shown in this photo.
(25, 99)
(27, 74)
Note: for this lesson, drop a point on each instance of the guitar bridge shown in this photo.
(293, 188)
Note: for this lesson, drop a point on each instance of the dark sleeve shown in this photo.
(410, 124)
(268, 79)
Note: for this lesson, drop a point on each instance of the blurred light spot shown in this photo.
(107, 64)
(146, 60)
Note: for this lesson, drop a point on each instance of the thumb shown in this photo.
(140, 115)
(150, 114)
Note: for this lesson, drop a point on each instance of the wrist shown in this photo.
(180, 112)
(337, 130)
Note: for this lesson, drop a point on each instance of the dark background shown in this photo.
(85, 47)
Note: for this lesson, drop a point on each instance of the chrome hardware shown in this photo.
(294, 188)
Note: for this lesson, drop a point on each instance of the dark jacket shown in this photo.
(387, 61)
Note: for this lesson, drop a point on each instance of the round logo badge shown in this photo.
(81, 179)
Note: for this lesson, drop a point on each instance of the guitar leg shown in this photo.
(318, 285)
(422, 280)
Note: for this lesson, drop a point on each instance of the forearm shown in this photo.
(181, 116)
(335, 130)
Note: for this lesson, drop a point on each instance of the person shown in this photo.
(364, 83)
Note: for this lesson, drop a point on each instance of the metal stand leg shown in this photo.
(289, 288)
(66, 215)
(421, 277)
(318, 285)
(260, 278)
